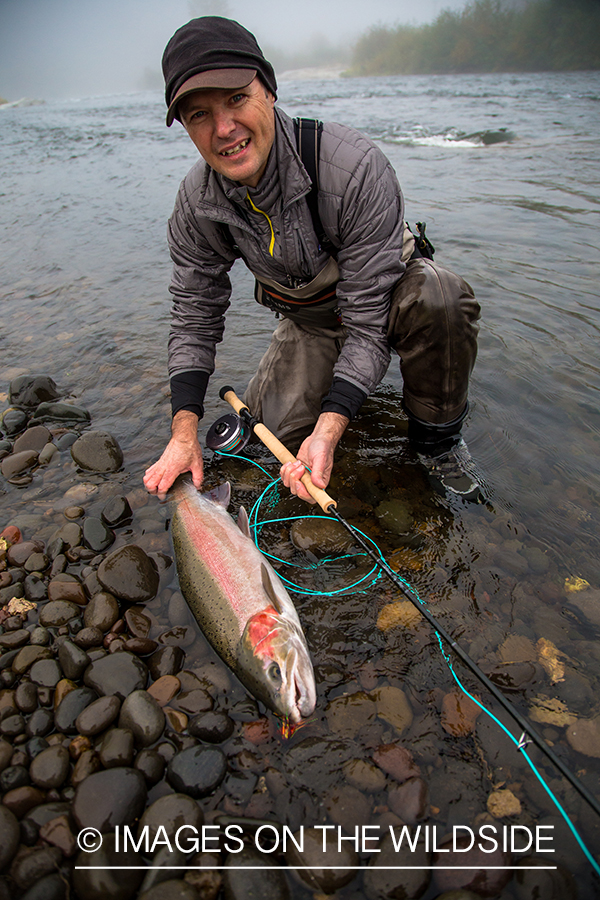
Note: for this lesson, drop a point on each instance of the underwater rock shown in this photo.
(399, 873)
(319, 875)
(31, 390)
(459, 714)
(401, 612)
(503, 803)
(97, 451)
(393, 707)
(395, 516)
(130, 574)
(584, 736)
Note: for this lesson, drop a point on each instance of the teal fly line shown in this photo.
(257, 524)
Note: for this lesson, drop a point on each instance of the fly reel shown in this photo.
(229, 434)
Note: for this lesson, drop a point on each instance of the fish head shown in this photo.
(276, 664)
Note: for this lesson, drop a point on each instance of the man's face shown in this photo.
(233, 130)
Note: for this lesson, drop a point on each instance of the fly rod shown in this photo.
(328, 505)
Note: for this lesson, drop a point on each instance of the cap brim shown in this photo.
(228, 79)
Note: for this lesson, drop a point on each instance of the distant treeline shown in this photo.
(487, 36)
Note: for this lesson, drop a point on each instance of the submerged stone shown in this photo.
(97, 451)
(61, 413)
(129, 573)
(106, 799)
(31, 390)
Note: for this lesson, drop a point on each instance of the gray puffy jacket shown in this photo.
(361, 209)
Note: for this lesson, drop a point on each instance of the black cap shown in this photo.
(212, 52)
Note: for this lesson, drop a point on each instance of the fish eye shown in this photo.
(274, 672)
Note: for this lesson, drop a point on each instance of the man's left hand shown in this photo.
(316, 454)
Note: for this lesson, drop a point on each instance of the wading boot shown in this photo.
(445, 455)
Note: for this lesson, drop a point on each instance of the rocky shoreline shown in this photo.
(115, 713)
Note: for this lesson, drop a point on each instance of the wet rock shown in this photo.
(364, 776)
(108, 873)
(584, 736)
(31, 390)
(63, 687)
(34, 438)
(151, 764)
(172, 889)
(534, 880)
(459, 714)
(407, 876)
(513, 677)
(347, 715)
(171, 811)
(40, 723)
(17, 463)
(517, 648)
(50, 768)
(348, 807)
(395, 516)
(60, 413)
(320, 536)
(129, 574)
(410, 800)
(117, 512)
(27, 870)
(6, 751)
(211, 727)
(47, 454)
(118, 674)
(138, 624)
(399, 613)
(179, 611)
(97, 451)
(319, 875)
(254, 881)
(88, 638)
(34, 587)
(26, 697)
(40, 635)
(57, 832)
(393, 707)
(165, 661)
(11, 640)
(13, 421)
(397, 761)
(13, 777)
(164, 689)
(588, 603)
(486, 881)
(20, 800)
(96, 717)
(73, 660)
(87, 764)
(27, 656)
(58, 612)
(116, 748)
(101, 612)
(110, 798)
(180, 636)
(143, 716)
(69, 534)
(9, 836)
(197, 771)
(70, 707)
(96, 535)
(550, 711)
(194, 702)
(45, 673)
(503, 803)
(72, 591)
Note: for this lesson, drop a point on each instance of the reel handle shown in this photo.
(278, 449)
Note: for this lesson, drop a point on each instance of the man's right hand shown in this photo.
(182, 454)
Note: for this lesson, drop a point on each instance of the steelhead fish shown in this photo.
(239, 601)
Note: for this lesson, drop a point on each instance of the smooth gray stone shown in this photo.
(130, 574)
(70, 707)
(252, 882)
(110, 798)
(118, 673)
(116, 748)
(102, 611)
(73, 660)
(96, 717)
(143, 716)
(96, 535)
(50, 768)
(9, 836)
(45, 673)
(197, 771)
(95, 876)
(171, 811)
(31, 390)
(97, 451)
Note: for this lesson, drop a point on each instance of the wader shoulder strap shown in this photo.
(308, 141)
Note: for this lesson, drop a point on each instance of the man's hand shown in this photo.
(316, 453)
(182, 454)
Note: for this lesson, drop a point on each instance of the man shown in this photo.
(345, 295)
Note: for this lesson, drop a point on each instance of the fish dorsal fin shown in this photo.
(243, 523)
(269, 589)
(220, 495)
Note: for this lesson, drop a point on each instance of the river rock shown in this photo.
(40, 723)
(459, 714)
(138, 624)
(34, 587)
(151, 764)
(397, 882)
(171, 811)
(31, 390)
(348, 807)
(143, 716)
(503, 803)
(34, 438)
(17, 463)
(213, 727)
(45, 673)
(319, 876)
(96, 717)
(97, 451)
(197, 771)
(534, 880)
(395, 516)
(588, 603)
(255, 881)
(410, 800)
(73, 660)
(47, 454)
(70, 707)
(117, 512)
(9, 836)
(347, 715)
(164, 689)
(401, 613)
(108, 873)
(583, 736)
(61, 413)
(69, 534)
(101, 612)
(393, 707)
(397, 761)
(26, 697)
(166, 661)
(72, 591)
(28, 655)
(20, 800)
(194, 702)
(119, 673)
(50, 768)
(110, 798)
(14, 421)
(364, 776)
(11, 640)
(58, 612)
(96, 535)
(487, 881)
(321, 537)
(116, 748)
(130, 574)
(30, 868)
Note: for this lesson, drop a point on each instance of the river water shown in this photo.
(505, 171)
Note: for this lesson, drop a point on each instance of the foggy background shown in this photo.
(53, 49)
